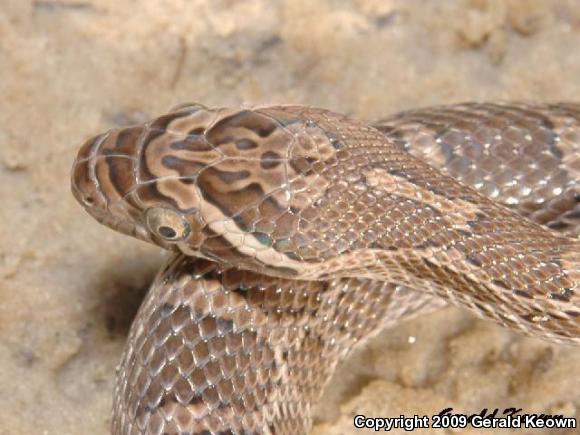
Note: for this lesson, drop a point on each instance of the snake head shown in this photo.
(223, 184)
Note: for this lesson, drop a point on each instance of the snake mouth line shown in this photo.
(124, 226)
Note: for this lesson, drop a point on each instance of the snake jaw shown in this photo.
(126, 227)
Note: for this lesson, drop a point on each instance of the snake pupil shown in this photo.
(167, 232)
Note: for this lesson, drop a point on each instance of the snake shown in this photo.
(296, 233)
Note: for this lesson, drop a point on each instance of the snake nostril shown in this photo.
(88, 200)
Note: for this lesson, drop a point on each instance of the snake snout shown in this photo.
(101, 181)
(84, 184)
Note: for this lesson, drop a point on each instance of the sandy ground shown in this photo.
(72, 68)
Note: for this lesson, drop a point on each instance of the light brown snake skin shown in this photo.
(299, 232)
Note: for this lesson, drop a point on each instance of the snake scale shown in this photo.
(298, 232)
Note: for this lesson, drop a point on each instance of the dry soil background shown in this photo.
(72, 68)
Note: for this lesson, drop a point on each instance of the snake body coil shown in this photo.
(299, 232)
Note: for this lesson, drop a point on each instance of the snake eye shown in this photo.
(167, 224)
